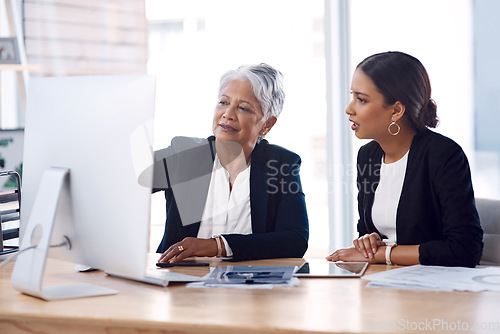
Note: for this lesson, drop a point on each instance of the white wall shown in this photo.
(72, 37)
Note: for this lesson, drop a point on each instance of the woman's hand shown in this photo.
(350, 254)
(189, 247)
(368, 244)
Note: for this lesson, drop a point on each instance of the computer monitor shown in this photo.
(87, 138)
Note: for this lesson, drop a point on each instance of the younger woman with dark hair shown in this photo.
(415, 196)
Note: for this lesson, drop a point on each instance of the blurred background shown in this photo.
(316, 44)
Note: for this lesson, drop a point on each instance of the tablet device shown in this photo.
(324, 268)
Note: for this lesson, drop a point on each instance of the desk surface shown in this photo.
(318, 305)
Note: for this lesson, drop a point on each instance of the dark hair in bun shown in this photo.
(401, 77)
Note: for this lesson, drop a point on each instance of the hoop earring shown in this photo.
(389, 128)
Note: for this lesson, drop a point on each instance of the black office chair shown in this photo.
(10, 213)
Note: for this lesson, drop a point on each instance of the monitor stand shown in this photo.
(30, 264)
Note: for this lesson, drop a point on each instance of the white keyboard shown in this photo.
(162, 274)
(160, 277)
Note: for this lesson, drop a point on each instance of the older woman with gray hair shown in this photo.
(234, 195)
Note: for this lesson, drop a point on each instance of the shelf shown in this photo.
(18, 67)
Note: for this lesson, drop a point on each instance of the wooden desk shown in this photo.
(316, 306)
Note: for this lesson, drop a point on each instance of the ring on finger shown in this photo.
(180, 248)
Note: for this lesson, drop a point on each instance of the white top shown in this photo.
(226, 211)
(385, 204)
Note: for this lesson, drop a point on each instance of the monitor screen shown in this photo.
(98, 129)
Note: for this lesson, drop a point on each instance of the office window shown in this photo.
(10, 115)
(453, 40)
(440, 38)
(455, 47)
(192, 43)
(486, 28)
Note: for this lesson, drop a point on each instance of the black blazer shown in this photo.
(436, 209)
(278, 210)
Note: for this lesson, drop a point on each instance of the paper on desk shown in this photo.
(293, 282)
(248, 277)
(438, 278)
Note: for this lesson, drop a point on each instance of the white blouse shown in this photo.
(387, 196)
(226, 211)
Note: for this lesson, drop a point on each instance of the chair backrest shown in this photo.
(489, 214)
(10, 214)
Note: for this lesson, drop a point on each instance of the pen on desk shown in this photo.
(182, 264)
